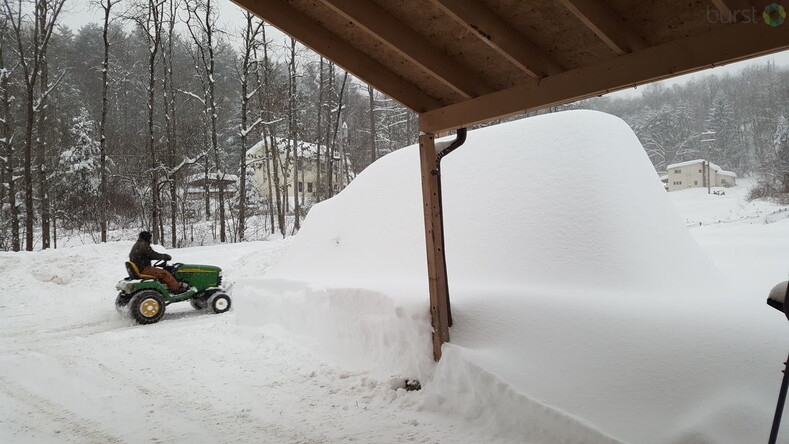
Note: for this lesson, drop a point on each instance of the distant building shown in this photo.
(306, 165)
(197, 184)
(693, 173)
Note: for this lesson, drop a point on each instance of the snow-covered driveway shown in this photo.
(73, 370)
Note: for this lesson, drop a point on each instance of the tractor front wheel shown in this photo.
(122, 302)
(147, 306)
(219, 302)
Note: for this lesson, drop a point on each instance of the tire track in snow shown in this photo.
(83, 430)
(234, 425)
(42, 334)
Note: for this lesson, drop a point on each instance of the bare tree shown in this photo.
(292, 134)
(250, 34)
(318, 134)
(272, 149)
(201, 23)
(148, 18)
(6, 139)
(329, 102)
(373, 153)
(31, 57)
(106, 5)
(262, 99)
(333, 147)
(170, 115)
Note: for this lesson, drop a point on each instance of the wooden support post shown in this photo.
(434, 237)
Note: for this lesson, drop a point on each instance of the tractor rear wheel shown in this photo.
(147, 306)
(219, 302)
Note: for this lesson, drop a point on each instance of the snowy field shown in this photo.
(598, 310)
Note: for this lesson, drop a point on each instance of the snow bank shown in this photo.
(579, 297)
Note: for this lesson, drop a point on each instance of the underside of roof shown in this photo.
(461, 62)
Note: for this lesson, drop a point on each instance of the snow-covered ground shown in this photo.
(75, 371)
(584, 310)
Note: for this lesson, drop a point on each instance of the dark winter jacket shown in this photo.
(142, 254)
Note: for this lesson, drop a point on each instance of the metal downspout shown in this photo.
(443, 151)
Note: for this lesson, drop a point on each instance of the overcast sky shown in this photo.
(231, 18)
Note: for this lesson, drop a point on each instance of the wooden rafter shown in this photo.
(606, 24)
(402, 39)
(501, 36)
(312, 34)
(722, 45)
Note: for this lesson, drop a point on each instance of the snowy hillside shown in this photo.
(585, 312)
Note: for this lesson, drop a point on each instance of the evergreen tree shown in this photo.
(79, 174)
(781, 145)
(726, 150)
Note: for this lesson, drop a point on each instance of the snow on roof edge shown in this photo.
(717, 169)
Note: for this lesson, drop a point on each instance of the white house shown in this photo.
(698, 173)
(306, 166)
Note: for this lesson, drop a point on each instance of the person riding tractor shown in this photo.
(142, 254)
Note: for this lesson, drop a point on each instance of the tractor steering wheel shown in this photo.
(160, 264)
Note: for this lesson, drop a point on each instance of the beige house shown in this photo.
(693, 173)
(305, 166)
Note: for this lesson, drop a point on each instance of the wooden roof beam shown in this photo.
(402, 39)
(606, 24)
(501, 36)
(312, 34)
(722, 45)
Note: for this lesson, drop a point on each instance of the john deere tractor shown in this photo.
(146, 298)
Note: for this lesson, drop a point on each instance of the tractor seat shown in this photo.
(134, 272)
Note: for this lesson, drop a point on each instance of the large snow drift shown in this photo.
(583, 308)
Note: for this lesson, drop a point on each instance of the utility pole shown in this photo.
(704, 173)
(343, 165)
(709, 179)
(706, 164)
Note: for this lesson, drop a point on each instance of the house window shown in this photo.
(309, 187)
(301, 187)
(699, 171)
(695, 182)
(678, 171)
(723, 181)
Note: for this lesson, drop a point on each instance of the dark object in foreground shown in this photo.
(777, 298)
(146, 297)
(412, 385)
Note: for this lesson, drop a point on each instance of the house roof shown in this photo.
(461, 62)
(716, 168)
(692, 162)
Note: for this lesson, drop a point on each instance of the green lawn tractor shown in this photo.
(145, 297)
